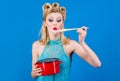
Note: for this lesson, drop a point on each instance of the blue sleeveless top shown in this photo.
(55, 49)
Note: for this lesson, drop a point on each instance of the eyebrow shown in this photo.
(59, 17)
(50, 17)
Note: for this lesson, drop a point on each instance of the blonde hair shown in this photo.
(47, 9)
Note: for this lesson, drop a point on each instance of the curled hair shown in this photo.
(46, 7)
(52, 8)
(49, 8)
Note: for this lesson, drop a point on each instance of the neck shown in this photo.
(54, 37)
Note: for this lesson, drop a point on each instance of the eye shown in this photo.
(50, 20)
(59, 20)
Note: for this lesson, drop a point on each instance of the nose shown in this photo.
(54, 24)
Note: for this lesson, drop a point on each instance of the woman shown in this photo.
(56, 45)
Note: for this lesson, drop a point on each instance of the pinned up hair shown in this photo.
(49, 8)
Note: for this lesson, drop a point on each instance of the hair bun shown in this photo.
(55, 5)
(63, 10)
(46, 7)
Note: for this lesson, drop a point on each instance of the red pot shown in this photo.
(49, 66)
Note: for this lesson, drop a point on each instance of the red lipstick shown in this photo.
(55, 28)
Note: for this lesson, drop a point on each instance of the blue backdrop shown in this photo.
(21, 20)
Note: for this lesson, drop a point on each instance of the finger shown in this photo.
(39, 68)
(38, 71)
(39, 74)
(34, 70)
(35, 67)
(84, 28)
(79, 30)
(83, 34)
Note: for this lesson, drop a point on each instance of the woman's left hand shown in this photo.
(82, 33)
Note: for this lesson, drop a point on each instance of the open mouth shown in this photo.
(55, 28)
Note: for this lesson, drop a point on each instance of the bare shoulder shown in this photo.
(37, 46)
(73, 42)
(74, 45)
(69, 48)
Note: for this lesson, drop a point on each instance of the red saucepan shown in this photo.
(49, 66)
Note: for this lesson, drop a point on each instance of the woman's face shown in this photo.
(54, 21)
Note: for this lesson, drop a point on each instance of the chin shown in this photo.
(55, 33)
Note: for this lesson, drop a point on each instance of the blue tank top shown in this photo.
(55, 49)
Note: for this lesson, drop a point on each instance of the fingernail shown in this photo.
(83, 28)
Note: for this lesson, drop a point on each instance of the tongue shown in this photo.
(54, 28)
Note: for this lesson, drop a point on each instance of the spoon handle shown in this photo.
(63, 30)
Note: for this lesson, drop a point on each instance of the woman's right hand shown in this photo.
(37, 71)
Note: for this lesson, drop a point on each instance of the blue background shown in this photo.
(21, 20)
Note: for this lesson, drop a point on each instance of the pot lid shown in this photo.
(48, 60)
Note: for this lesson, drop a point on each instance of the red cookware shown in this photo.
(49, 66)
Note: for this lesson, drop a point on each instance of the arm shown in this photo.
(92, 58)
(89, 55)
(35, 71)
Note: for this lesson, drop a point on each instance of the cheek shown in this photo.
(61, 25)
(48, 24)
